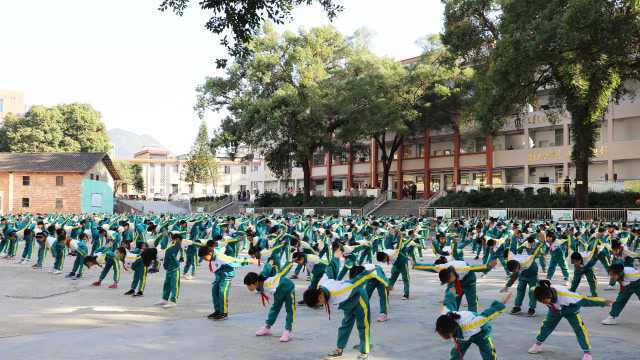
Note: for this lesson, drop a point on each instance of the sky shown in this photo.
(140, 67)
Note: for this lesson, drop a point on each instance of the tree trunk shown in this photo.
(584, 136)
(386, 169)
(306, 171)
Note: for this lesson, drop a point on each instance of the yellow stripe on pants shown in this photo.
(365, 312)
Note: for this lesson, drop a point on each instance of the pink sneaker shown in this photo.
(586, 356)
(535, 349)
(286, 336)
(264, 331)
(382, 318)
(113, 286)
(97, 283)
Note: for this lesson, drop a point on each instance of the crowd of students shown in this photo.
(344, 260)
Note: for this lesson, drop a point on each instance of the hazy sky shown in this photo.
(139, 67)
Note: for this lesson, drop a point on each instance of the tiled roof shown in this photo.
(55, 162)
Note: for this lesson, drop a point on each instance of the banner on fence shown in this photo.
(249, 210)
(561, 214)
(309, 212)
(443, 213)
(345, 212)
(199, 209)
(633, 215)
(498, 213)
(277, 211)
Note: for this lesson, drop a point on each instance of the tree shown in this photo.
(126, 176)
(136, 177)
(201, 166)
(581, 53)
(280, 98)
(61, 128)
(240, 21)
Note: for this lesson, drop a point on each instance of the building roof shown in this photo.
(151, 151)
(55, 162)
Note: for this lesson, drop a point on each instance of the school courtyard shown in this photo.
(50, 317)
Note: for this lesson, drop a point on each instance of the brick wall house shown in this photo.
(56, 182)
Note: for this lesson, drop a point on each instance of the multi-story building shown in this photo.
(532, 148)
(163, 175)
(11, 102)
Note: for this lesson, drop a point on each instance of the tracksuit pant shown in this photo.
(139, 277)
(356, 311)
(288, 299)
(191, 263)
(27, 252)
(171, 286)
(42, 253)
(220, 292)
(591, 279)
(468, 285)
(59, 260)
(523, 283)
(78, 266)
(111, 263)
(12, 247)
(572, 314)
(396, 271)
(623, 297)
(560, 261)
(484, 343)
(383, 294)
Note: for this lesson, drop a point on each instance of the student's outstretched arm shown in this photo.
(433, 268)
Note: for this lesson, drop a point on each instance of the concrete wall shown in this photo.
(97, 197)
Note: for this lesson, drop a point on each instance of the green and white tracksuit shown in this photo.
(27, 252)
(586, 270)
(223, 267)
(567, 304)
(527, 277)
(139, 275)
(80, 247)
(465, 283)
(171, 264)
(316, 267)
(475, 328)
(350, 297)
(379, 284)
(400, 260)
(107, 258)
(283, 292)
(558, 258)
(629, 285)
(59, 251)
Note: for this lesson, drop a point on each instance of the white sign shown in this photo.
(498, 213)
(96, 200)
(561, 214)
(199, 209)
(309, 212)
(249, 210)
(443, 213)
(277, 211)
(345, 212)
(633, 215)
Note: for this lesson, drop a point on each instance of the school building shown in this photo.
(41, 183)
(11, 102)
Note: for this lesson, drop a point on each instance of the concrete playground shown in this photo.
(45, 316)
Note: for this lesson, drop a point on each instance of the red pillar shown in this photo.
(456, 157)
(374, 164)
(489, 154)
(426, 152)
(399, 172)
(329, 177)
(349, 169)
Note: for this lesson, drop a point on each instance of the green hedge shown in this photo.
(270, 199)
(209, 203)
(500, 198)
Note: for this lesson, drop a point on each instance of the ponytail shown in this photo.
(446, 324)
(543, 290)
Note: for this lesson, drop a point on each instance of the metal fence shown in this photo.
(321, 211)
(532, 213)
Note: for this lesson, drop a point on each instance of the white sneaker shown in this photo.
(161, 303)
(610, 320)
(188, 277)
(169, 304)
(567, 283)
(57, 272)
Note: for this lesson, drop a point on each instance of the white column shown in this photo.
(10, 195)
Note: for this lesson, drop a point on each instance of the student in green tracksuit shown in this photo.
(223, 267)
(59, 251)
(563, 303)
(191, 259)
(12, 244)
(171, 264)
(80, 247)
(107, 259)
(524, 269)
(315, 266)
(400, 260)
(41, 240)
(350, 297)
(629, 280)
(283, 292)
(27, 252)
(458, 276)
(558, 257)
(140, 269)
(379, 283)
(333, 267)
(581, 269)
(467, 328)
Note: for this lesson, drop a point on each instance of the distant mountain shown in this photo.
(126, 143)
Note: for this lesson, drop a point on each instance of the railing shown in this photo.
(321, 211)
(225, 203)
(595, 214)
(374, 204)
(594, 186)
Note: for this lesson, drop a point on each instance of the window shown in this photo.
(409, 151)
(340, 158)
(174, 188)
(97, 177)
(255, 168)
(559, 137)
(227, 169)
(59, 204)
(59, 180)
(318, 159)
(25, 202)
(26, 180)
(419, 150)
(227, 189)
(92, 177)
(243, 170)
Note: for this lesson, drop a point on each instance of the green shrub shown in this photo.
(270, 199)
(514, 198)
